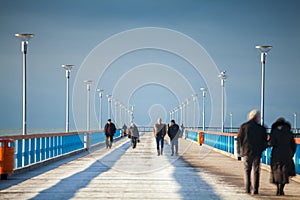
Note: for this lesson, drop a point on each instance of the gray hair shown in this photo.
(253, 114)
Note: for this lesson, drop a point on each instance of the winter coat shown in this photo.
(252, 138)
(283, 149)
(173, 132)
(134, 132)
(160, 130)
(111, 131)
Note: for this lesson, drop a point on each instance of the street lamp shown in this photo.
(100, 91)
(116, 107)
(222, 76)
(264, 50)
(68, 72)
(24, 43)
(194, 99)
(295, 122)
(230, 121)
(203, 106)
(186, 112)
(176, 114)
(109, 106)
(181, 114)
(88, 104)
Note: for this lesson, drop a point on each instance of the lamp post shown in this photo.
(116, 107)
(186, 112)
(109, 106)
(121, 113)
(24, 43)
(264, 50)
(176, 114)
(230, 121)
(181, 114)
(295, 122)
(222, 76)
(203, 106)
(68, 72)
(88, 103)
(132, 113)
(100, 91)
(194, 96)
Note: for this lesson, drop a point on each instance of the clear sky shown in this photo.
(67, 31)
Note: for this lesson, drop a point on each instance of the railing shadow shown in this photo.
(67, 187)
(191, 184)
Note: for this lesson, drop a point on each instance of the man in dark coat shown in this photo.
(173, 133)
(284, 148)
(252, 140)
(159, 134)
(109, 130)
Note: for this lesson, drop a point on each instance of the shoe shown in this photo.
(158, 153)
(161, 153)
(255, 192)
(172, 154)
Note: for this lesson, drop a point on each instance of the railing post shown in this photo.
(87, 141)
(236, 155)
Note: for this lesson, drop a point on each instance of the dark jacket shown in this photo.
(160, 130)
(252, 139)
(283, 150)
(173, 131)
(111, 131)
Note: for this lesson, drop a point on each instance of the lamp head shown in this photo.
(263, 49)
(67, 67)
(24, 36)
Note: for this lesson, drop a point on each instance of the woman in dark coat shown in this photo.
(284, 147)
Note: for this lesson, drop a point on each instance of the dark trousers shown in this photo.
(159, 139)
(251, 163)
(109, 141)
(133, 141)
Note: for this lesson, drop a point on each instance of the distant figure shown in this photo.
(174, 133)
(284, 147)
(159, 134)
(252, 139)
(109, 130)
(135, 135)
(124, 129)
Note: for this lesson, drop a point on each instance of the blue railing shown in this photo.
(31, 149)
(226, 142)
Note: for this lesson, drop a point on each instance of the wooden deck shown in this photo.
(125, 173)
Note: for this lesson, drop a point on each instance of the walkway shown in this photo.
(125, 173)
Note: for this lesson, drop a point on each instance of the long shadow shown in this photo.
(191, 185)
(18, 178)
(67, 188)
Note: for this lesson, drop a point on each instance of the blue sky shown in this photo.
(67, 31)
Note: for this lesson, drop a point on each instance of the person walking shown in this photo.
(109, 130)
(174, 134)
(135, 135)
(124, 130)
(159, 134)
(252, 140)
(283, 149)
